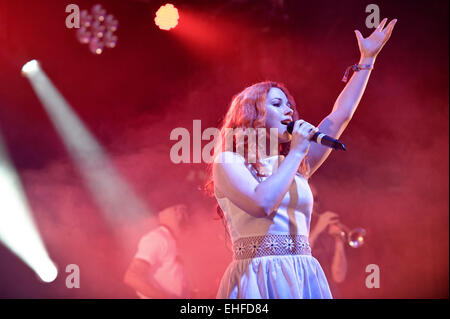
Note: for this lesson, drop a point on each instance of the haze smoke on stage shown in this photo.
(110, 191)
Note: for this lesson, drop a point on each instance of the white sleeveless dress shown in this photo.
(272, 258)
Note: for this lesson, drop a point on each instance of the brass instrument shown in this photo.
(354, 237)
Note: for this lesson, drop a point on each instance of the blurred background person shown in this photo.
(327, 241)
(157, 271)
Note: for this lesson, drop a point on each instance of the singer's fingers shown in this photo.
(313, 131)
(389, 28)
(381, 25)
(305, 124)
(305, 128)
(310, 130)
(297, 124)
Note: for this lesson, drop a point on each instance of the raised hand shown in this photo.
(372, 45)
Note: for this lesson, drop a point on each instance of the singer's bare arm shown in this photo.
(347, 102)
(233, 180)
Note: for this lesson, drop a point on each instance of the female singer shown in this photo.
(267, 202)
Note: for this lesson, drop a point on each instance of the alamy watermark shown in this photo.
(373, 279)
(373, 19)
(235, 140)
(73, 279)
(73, 19)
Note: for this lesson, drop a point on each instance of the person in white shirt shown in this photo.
(156, 271)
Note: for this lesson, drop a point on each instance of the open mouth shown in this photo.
(286, 122)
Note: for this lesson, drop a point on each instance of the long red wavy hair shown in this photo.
(248, 110)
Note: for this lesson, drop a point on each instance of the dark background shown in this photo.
(393, 180)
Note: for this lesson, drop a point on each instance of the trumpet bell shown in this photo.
(356, 237)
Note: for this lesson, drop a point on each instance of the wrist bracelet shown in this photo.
(356, 68)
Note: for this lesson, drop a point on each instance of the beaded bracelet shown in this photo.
(356, 68)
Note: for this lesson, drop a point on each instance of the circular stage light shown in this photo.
(167, 17)
(97, 29)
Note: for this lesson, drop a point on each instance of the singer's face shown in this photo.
(278, 113)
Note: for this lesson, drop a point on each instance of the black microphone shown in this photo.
(321, 138)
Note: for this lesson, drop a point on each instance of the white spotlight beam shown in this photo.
(18, 231)
(114, 196)
(30, 67)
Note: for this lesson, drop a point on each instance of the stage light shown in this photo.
(111, 23)
(86, 19)
(110, 40)
(30, 67)
(47, 271)
(96, 46)
(83, 35)
(18, 231)
(167, 17)
(97, 29)
(111, 192)
(98, 12)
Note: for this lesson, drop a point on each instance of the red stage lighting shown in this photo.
(167, 17)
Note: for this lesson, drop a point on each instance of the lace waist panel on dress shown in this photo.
(271, 245)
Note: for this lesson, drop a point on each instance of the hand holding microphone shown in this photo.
(312, 134)
(302, 133)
